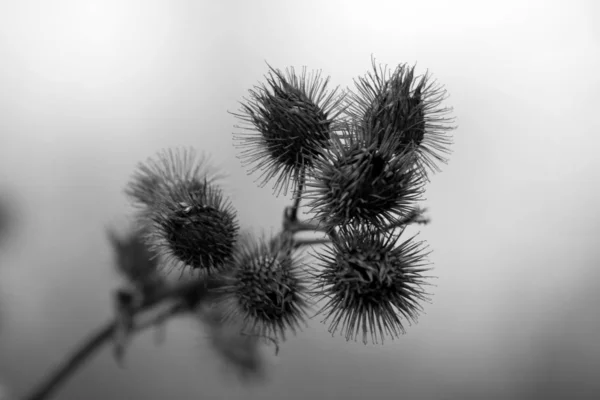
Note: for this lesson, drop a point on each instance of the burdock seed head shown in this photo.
(287, 123)
(407, 107)
(266, 288)
(370, 282)
(363, 181)
(188, 221)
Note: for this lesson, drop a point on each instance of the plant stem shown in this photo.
(415, 217)
(301, 176)
(198, 287)
(72, 362)
(300, 226)
(310, 242)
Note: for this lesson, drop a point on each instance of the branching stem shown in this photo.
(414, 217)
(301, 177)
(198, 289)
(105, 333)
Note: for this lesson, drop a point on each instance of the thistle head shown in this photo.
(266, 288)
(371, 282)
(407, 108)
(287, 123)
(189, 221)
(362, 181)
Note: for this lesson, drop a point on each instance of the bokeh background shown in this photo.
(90, 88)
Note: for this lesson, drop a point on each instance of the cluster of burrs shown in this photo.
(360, 161)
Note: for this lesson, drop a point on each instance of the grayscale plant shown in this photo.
(406, 107)
(188, 220)
(285, 128)
(363, 180)
(266, 288)
(371, 282)
(359, 160)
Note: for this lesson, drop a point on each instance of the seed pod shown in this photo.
(407, 108)
(287, 126)
(370, 282)
(195, 227)
(187, 220)
(266, 288)
(362, 181)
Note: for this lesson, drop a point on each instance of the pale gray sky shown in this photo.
(90, 88)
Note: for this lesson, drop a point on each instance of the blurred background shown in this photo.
(90, 88)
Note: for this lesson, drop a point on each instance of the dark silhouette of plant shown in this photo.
(6, 217)
(360, 160)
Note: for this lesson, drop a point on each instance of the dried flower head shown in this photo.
(370, 282)
(407, 107)
(363, 181)
(189, 222)
(266, 288)
(287, 126)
